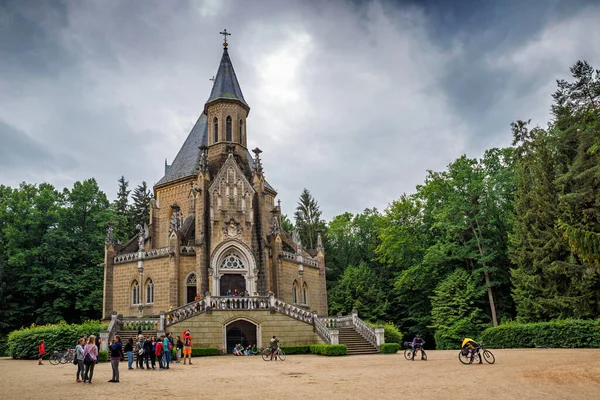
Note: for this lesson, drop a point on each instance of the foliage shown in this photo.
(204, 351)
(391, 333)
(454, 313)
(561, 333)
(308, 219)
(296, 349)
(389, 348)
(103, 356)
(329, 349)
(23, 343)
(286, 224)
(140, 209)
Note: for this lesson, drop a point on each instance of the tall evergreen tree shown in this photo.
(140, 209)
(124, 226)
(308, 219)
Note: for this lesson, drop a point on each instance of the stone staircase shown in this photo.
(355, 342)
(125, 335)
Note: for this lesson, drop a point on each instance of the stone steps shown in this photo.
(355, 343)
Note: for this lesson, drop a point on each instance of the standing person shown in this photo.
(165, 357)
(169, 349)
(179, 346)
(79, 356)
(90, 350)
(148, 351)
(41, 352)
(116, 353)
(187, 346)
(153, 354)
(417, 344)
(129, 351)
(139, 352)
(159, 352)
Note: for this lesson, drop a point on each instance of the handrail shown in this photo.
(322, 330)
(364, 330)
(135, 323)
(150, 253)
(293, 311)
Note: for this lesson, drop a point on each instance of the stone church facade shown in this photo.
(214, 226)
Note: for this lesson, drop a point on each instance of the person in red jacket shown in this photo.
(42, 352)
(159, 352)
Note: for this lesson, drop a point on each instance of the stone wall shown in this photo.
(310, 277)
(208, 330)
(177, 193)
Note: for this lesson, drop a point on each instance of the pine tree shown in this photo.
(140, 209)
(123, 224)
(286, 224)
(308, 219)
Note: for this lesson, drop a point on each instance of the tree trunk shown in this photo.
(486, 274)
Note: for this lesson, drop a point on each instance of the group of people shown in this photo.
(239, 350)
(235, 293)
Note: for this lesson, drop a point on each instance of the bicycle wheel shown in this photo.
(408, 354)
(465, 359)
(65, 358)
(489, 357)
(266, 355)
(55, 358)
(281, 355)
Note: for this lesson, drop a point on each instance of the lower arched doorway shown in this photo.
(240, 332)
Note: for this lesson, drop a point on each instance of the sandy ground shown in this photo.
(518, 374)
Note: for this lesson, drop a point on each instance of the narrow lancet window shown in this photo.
(228, 135)
(241, 132)
(216, 130)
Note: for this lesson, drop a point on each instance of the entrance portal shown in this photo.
(240, 332)
(232, 282)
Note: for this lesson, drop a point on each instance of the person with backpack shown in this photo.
(139, 352)
(90, 358)
(159, 352)
(79, 360)
(170, 347)
(116, 353)
(165, 357)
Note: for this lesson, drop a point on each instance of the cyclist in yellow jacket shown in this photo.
(472, 346)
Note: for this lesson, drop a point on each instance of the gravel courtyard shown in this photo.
(518, 374)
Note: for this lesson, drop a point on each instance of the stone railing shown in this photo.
(107, 335)
(187, 250)
(288, 255)
(365, 330)
(150, 253)
(329, 336)
(372, 335)
(294, 257)
(292, 311)
(186, 311)
(240, 303)
(144, 323)
(310, 261)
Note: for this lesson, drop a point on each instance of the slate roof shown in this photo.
(226, 85)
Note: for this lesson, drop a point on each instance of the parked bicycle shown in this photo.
(466, 356)
(266, 354)
(409, 353)
(62, 357)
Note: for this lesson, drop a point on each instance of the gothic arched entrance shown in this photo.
(232, 282)
(240, 332)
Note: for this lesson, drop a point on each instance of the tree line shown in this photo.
(513, 235)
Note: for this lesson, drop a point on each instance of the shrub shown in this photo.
(3, 347)
(329, 349)
(389, 348)
(24, 342)
(391, 333)
(564, 333)
(204, 351)
(103, 356)
(448, 339)
(296, 349)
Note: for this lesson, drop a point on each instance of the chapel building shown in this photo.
(214, 226)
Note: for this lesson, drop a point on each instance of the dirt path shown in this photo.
(517, 374)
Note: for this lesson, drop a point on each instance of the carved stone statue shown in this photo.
(141, 237)
(319, 242)
(175, 223)
(232, 229)
(275, 225)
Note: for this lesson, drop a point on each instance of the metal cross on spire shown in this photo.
(225, 34)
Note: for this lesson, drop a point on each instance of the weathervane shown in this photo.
(212, 79)
(225, 34)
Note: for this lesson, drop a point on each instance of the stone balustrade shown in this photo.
(294, 257)
(187, 250)
(135, 324)
(292, 311)
(150, 253)
(240, 303)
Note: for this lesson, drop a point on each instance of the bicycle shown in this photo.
(63, 357)
(266, 354)
(468, 356)
(409, 355)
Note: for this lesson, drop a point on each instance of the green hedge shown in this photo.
(389, 348)
(565, 333)
(391, 333)
(329, 349)
(3, 347)
(103, 356)
(296, 349)
(24, 342)
(446, 339)
(204, 351)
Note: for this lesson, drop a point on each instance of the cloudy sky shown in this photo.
(353, 100)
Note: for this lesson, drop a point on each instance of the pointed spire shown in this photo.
(226, 85)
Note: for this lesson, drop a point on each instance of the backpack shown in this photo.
(170, 346)
(87, 360)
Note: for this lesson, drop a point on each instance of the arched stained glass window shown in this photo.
(228, 134)
(232, 261)
(149, 291)
(191, 279)
(241, 131)
(135, 293)
(216, 129)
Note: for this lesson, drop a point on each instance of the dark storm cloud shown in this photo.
(354, 100)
